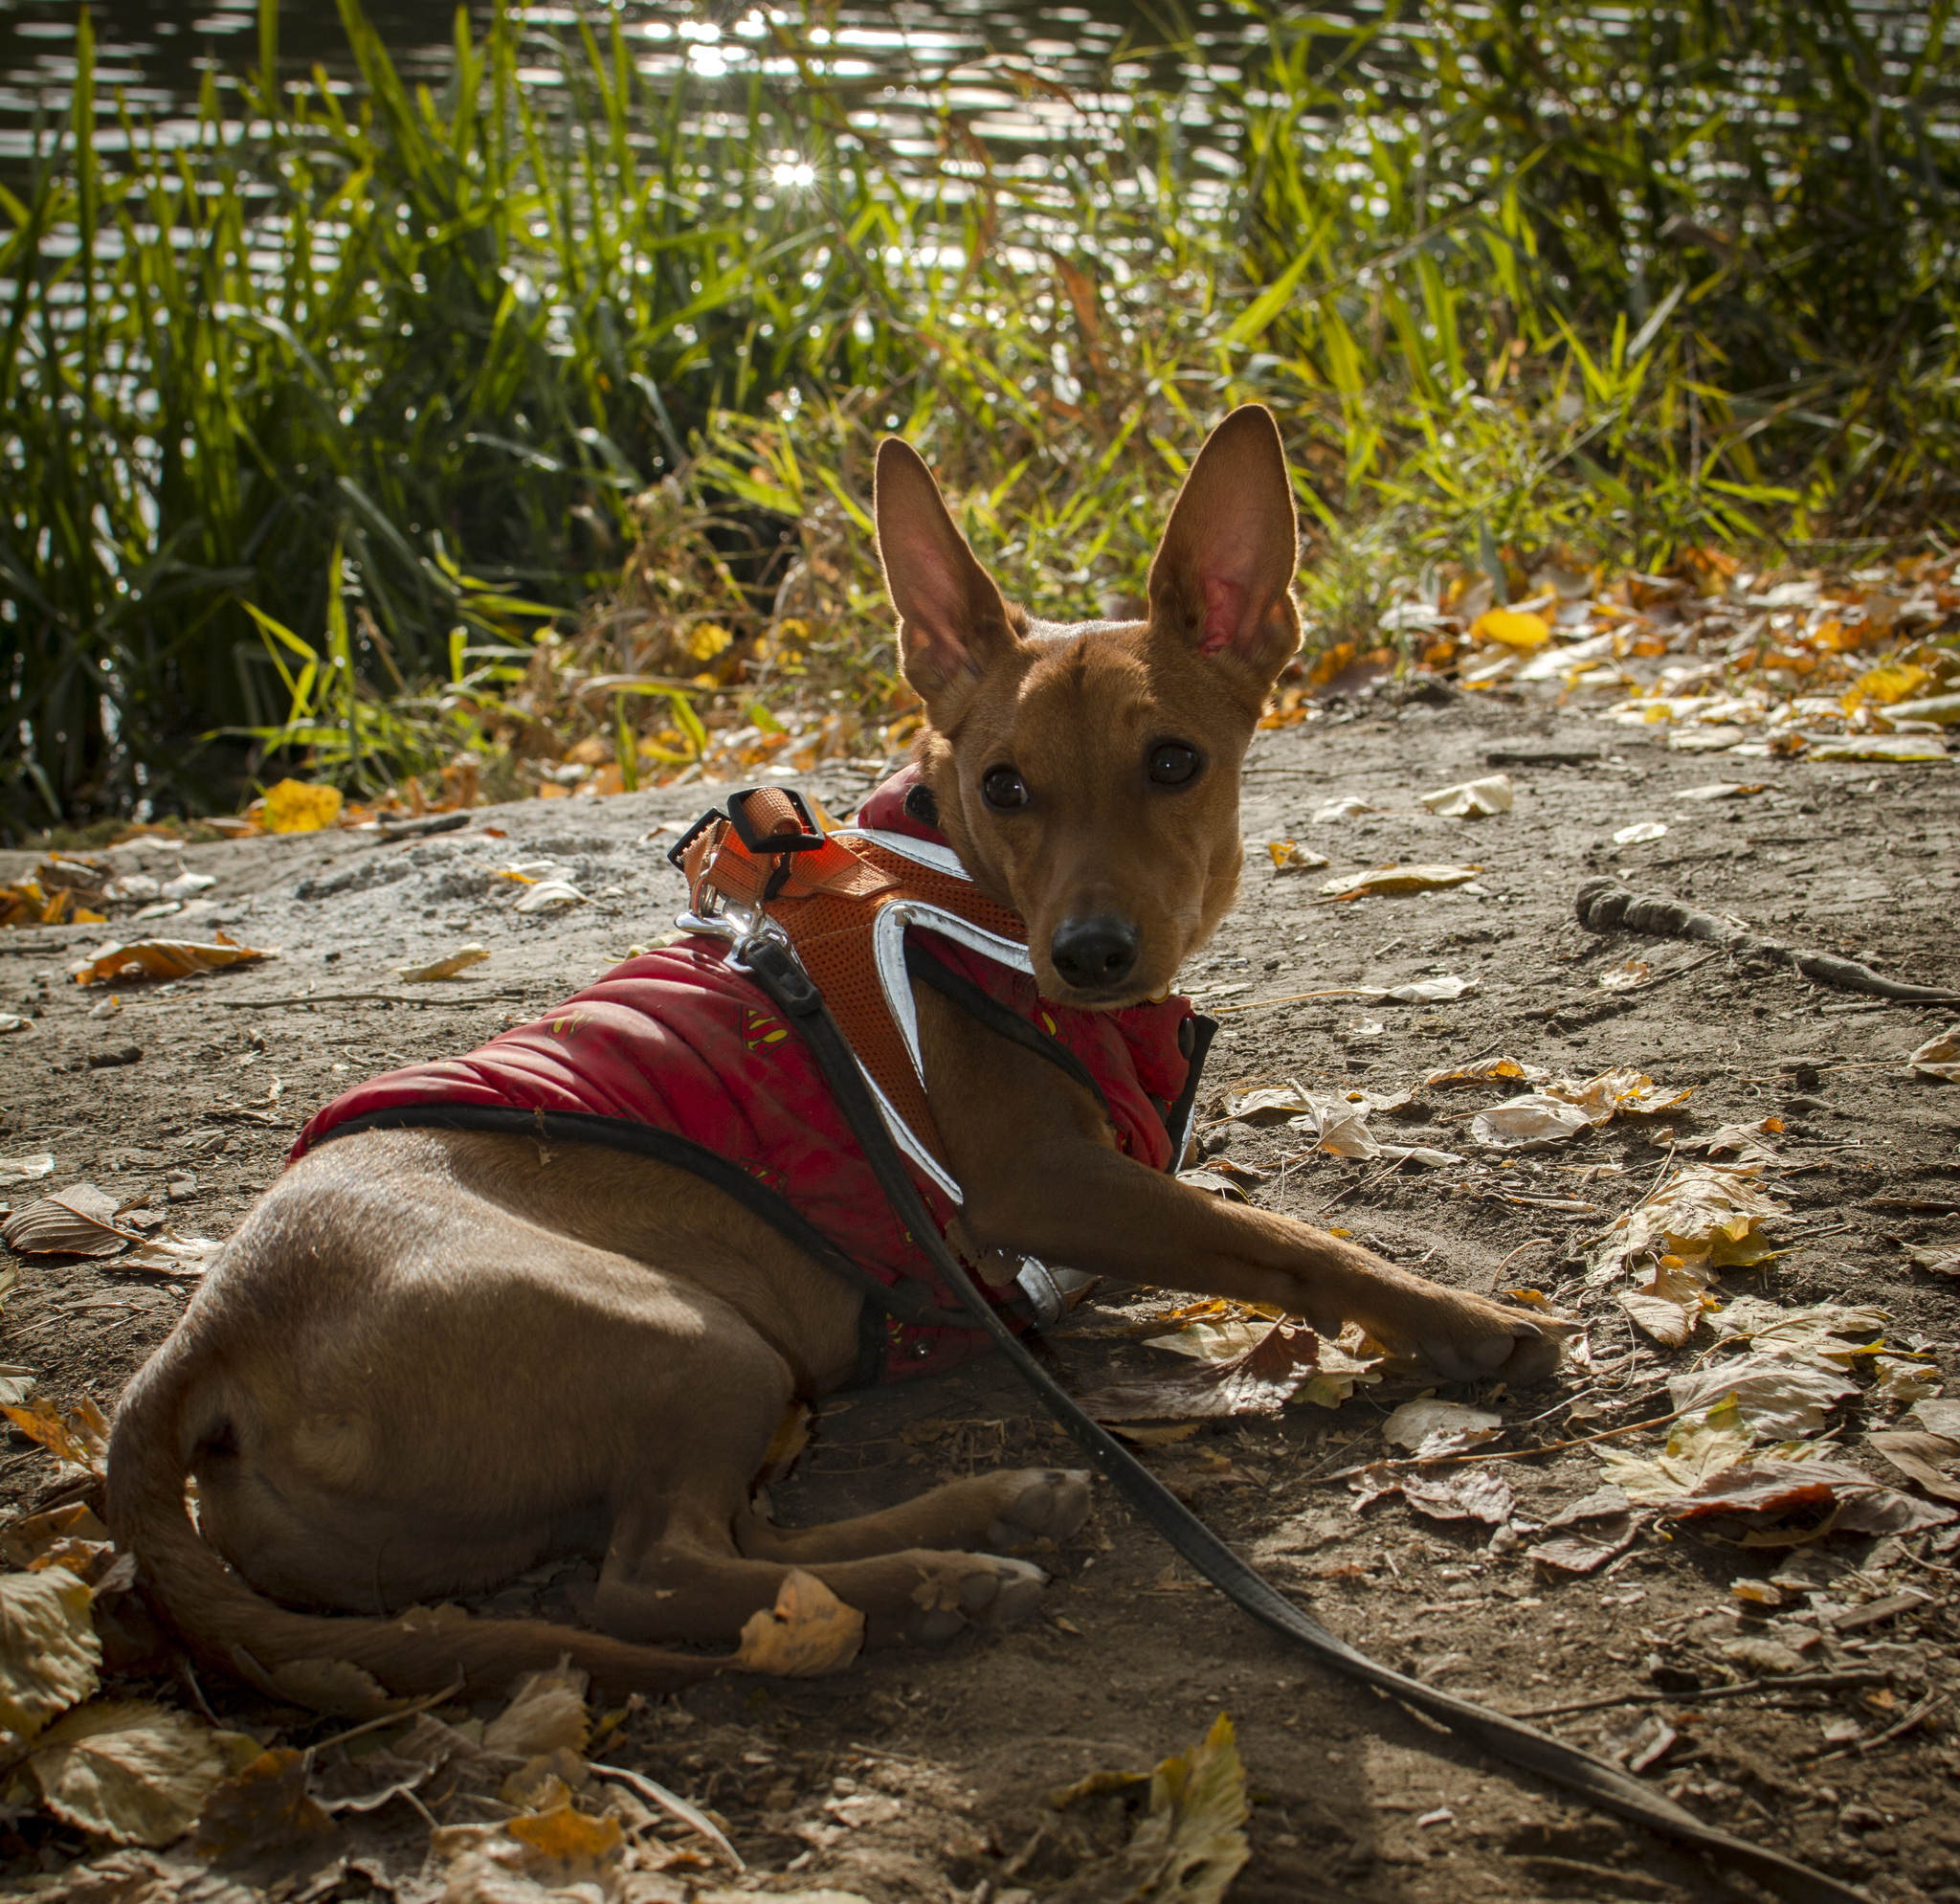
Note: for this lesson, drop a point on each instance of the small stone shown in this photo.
(180, 1186)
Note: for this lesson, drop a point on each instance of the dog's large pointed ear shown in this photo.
(953, 621)
(1222, 578)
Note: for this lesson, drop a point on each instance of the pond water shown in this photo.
(154, 52)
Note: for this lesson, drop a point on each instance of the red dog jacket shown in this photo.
(678, 1055)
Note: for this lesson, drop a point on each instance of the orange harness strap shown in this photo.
(826, 894)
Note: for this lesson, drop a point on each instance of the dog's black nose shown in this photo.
(1091, 953)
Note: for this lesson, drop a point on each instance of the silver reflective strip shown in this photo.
(920, 852)
(888, 958)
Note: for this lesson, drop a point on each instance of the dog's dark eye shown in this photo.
(1173, 763)
(1003, 789)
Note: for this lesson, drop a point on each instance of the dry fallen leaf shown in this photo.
(460, 960)
(1536, 1122)
(134, 1774)
(167, 958)
(1709, 1216)
(25, 1540)
(294, 806)
(1925, 1457)
(1428, 1424)
(809, 1632)
(1697, 1447)
(49, 1652)
(1814, 1333)
(1259, 1379)
(1400, 878)
(1779, 1398)
(1490, 1071)
(1588, 1534)
(1781, 1502)
(1189, 1842)
(1511, 628)
(546, 1711)
(264, 1813)
(1939, 1057)
(80, 1221)
(1473, 800)
(80, 1437)
(1473, 1493)
(1289, 856)
(334, 1686)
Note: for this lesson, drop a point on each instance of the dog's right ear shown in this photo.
(953, 621)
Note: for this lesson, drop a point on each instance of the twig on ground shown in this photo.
(1605, 905)
(1813, 1682)
(672, 1802)
(1867, 1746)
(1625, 990)
(395, 1717)
(355, 997)
(1501, 1454)
(1534, 1242)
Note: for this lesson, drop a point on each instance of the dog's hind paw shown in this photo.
(986, 1591)
(1039, 1503)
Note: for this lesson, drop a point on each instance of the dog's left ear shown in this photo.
(1221, 581)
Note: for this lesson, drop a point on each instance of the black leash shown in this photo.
(777, 970)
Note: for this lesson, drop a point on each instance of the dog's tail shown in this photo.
(228, 1626)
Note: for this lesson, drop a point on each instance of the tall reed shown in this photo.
(313, 422)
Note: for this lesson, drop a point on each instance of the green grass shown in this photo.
(312, 430)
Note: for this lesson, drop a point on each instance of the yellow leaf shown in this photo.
(167, 958)
(1513, 629)
(294, 806)
(1190, 1842)
(571, 1837)
(1400, 878)
(1894, 681)
(49, 1651)
(131, 1773)
(263, 1811)
(460, 960)
(809, 1632)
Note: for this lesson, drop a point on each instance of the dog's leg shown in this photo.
(1005, 1511)
(1033, 1152)
(672, 1572)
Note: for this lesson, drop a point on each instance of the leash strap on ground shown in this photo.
(779, 972)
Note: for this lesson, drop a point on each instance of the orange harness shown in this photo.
(843, 901)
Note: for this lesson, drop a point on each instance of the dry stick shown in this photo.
(352, 998)
(1625, 991)
(1865, 1746)
(1605, 905)
(1534, 1243)
(1503, 1454)
(673, 1802)
(1813, 1682)
(1297, 997)
(400, 1713)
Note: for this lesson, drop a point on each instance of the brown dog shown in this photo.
(430, 1359)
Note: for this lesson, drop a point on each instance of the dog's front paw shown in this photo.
(1039, 1503)
(1466, 1338)
(983, 1590)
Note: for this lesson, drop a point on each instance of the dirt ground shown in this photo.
(1131, 1658)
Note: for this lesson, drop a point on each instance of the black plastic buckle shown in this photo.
(808, 840)
(678, 852)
